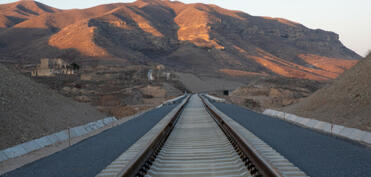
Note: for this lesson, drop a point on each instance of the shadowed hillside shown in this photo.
(196, 38)
(29, 110)
(346, 101)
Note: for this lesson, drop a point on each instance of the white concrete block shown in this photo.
(14, 151)
(62, 135)
(87, 128)
(43, 141)
(291, 117)
(52, 138)
(3, 156)
(323, 126)
(347, 132)
(280, 115)
(272, 113)
(100, 123)
(366, 138)
(357, 134)
(109, 120)
(78, 131)
(312, 123)
(31, 146)
(337, 129)
(93, 126)
(268, 112)
(301, 120)
(74, 132)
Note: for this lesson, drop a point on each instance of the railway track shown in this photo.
(197, 147)
(197, 140)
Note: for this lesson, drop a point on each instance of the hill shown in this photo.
(17, 12)
(346, 101)
(197, 38)
(29, 110)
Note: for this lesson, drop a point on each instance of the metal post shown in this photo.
(69, 137)
(284, 115)
(332, 126)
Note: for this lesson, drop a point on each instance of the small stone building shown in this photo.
(52, 67)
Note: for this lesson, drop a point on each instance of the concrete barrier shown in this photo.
(78, 131)
(291, 117)
(3, 156)
(109, 120)
(337, 130)
(171, 101)
(30, 146)
(14, 151)
(366, 138)
(323, 126)
(215, 98)
(54, 138)
(43, 141)
(62, 135)
(312, 123)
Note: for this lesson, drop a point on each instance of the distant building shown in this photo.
(52, 67)
(150, 76)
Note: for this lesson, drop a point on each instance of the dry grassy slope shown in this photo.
(29, 110)
(168, 32)
(347, 101)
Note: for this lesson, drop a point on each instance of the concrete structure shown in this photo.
(337, 130)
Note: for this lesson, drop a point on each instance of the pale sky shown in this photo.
(351, 19)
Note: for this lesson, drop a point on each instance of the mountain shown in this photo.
(346, 101)
(196, 38)
(15, 13)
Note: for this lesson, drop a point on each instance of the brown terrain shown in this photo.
(347, 101)
(188, 47)
(273, 93)
(116, 89)
(187, 37)
(29, 110)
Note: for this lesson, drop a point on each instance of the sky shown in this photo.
(351, 19)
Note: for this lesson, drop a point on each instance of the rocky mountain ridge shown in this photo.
(196, 38)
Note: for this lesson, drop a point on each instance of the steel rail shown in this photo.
(254, 162)
(138, 165)
(254, 159)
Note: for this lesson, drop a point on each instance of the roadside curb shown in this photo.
(354, 134)
(36, 144)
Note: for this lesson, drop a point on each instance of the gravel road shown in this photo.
(90, 156)
(317, 154)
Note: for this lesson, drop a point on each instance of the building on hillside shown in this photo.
(52, 67)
